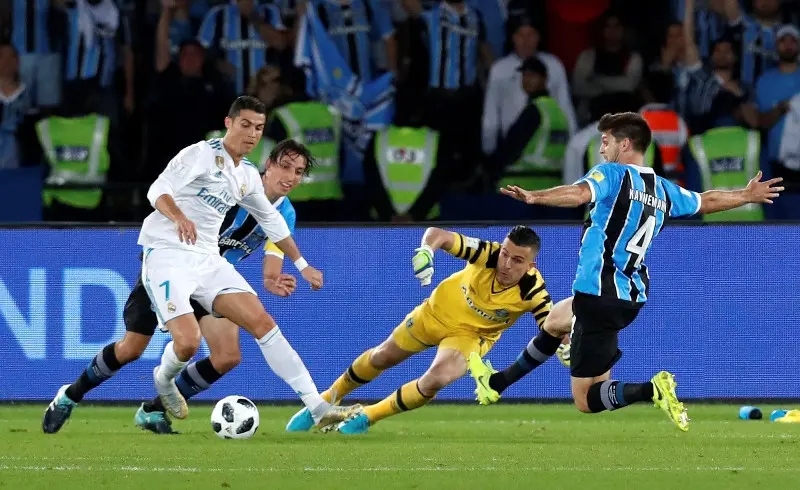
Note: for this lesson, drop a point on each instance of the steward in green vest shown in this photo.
(728, 158)
(318, 127)
(77, 151)
(400, 168)
(532, 153)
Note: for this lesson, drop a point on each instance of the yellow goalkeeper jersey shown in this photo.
(471, 299)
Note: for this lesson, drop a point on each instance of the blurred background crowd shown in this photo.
(415, 109)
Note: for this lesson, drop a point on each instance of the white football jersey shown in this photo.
(205, 184)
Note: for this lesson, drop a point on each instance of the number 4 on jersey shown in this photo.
(640, 241)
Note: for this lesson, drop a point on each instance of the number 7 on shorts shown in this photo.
(165, 285)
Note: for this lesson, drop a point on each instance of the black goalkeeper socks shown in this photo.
(539, 350)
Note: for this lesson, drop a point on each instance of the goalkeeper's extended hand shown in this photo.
(423, 264)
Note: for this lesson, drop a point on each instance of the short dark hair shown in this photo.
(291, 146)
(246, 103)
(522, 236)
(726, 38)
(191, 43)
(627, 125)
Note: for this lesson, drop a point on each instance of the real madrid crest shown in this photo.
(243, 190)
(220, 162)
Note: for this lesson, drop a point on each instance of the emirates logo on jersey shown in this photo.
(222, 203)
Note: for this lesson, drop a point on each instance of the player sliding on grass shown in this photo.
(466, 313)
(630, 205)
(205, 181)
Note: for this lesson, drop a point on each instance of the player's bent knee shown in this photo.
(558, 326)
(559, 321)
(186, 342)
(582, 405)
(387, 355)
(441, 374)
(380, 359)
(260, 325)
(226, 362)
(555, 329)
(131, 347)
(580, 392)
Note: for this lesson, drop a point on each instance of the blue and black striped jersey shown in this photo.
(453, 40)
(234, 37)
(630, 205)
(241, 235)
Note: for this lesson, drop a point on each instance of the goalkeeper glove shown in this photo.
(423, 264)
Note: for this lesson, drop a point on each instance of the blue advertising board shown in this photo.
(722, 314)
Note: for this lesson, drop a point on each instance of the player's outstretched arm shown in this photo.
(756, 192)
(563, 196)
(436, 238)
(433, 239)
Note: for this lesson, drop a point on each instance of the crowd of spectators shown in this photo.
(163, 72)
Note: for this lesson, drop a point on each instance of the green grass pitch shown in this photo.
(440, 447)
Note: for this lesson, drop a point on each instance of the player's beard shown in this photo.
(787, 57)
(611, 157)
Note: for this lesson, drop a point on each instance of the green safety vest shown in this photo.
(728, 158)
(77, 152)
(594, 158)
(542, 161)
(406, 158)
(317, 126)
(260, 153)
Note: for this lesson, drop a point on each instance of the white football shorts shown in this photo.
(173, 276)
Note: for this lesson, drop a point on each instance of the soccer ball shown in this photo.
(235, 417)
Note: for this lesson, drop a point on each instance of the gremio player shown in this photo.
(466, 313)
(629, 206)
(205, 180)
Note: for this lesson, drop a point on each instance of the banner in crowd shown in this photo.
(722, 314)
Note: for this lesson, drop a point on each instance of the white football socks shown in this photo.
(284, 361)
(170, 364)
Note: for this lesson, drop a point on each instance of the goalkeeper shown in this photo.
(465, 313)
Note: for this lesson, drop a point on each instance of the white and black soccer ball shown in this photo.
(235, 417)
